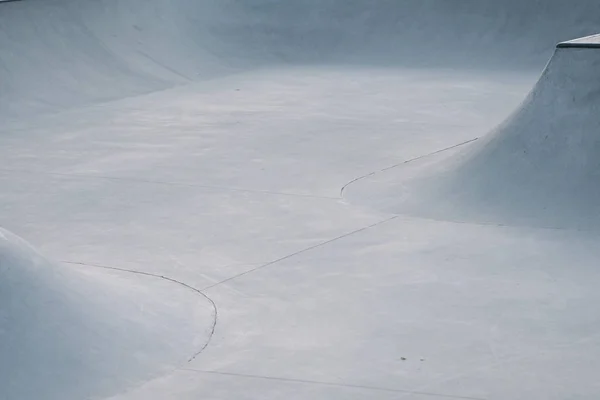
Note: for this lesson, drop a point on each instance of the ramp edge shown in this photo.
(587, 42)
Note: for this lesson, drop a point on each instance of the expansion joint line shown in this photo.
(270, 263)
(333, 384)
(343, 189)
(212, 303)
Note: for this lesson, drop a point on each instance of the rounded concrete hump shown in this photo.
(540, 167)
(71, 332)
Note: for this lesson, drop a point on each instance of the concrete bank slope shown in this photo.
(57, 54)
(541, 167)
(71, 332)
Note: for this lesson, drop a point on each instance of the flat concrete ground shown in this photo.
(234, 186)
(206, 180)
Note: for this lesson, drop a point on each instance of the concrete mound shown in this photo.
(81, 333)
(541, 167)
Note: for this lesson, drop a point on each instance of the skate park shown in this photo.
(267, 199)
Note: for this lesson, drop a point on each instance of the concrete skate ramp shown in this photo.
(206, 143)
(85, 333)
(541, 167)
(58, 54)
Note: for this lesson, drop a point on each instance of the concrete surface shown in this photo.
(540, 167)
(592, 41)
(68, 332)
(259, 153)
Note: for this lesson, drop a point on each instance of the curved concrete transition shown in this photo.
(541, 167)
(85, 333)
(335, 175)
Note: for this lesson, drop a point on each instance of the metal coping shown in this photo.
(588, 42)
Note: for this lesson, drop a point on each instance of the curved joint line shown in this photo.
(213, 304)
(343, 189)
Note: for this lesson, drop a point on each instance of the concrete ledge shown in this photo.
(588, 42)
